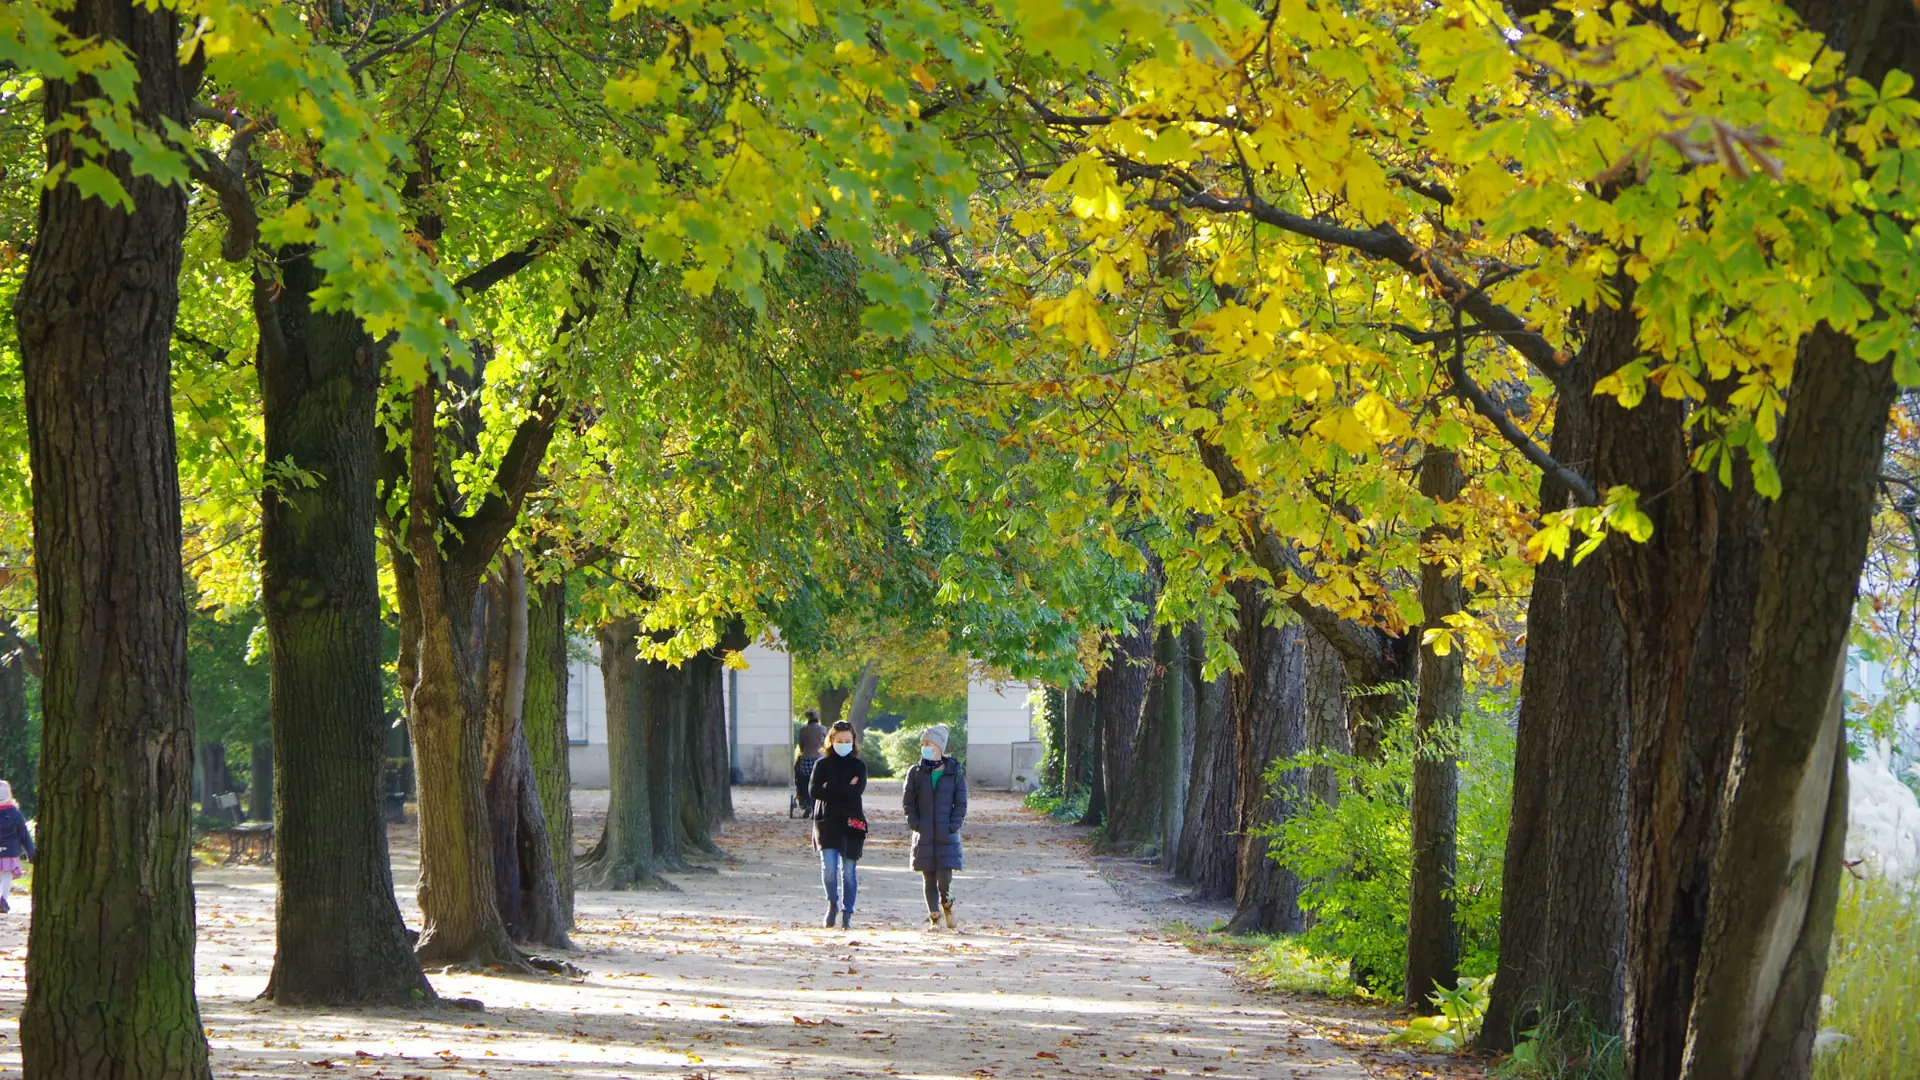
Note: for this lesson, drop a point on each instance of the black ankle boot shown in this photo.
(833, 912)
(846, 920)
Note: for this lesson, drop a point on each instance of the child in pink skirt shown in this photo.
(16, 840)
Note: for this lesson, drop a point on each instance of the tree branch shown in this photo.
(1484, 404)
(384, 51)
(503, 267)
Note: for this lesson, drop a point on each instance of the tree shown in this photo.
(112, 880)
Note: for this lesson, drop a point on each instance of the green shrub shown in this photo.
(873, 751)
(1565, 1045)
(902, 748)
(1873, 985)
(1059, 807)
(1354, 858)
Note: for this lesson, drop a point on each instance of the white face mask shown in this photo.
(843, 748)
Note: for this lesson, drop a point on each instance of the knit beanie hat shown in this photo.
(6, 789)
(937, 735)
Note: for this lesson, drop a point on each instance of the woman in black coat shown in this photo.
(935, 800)
(839, 820)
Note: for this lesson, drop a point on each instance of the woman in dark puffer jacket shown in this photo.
(935, 801)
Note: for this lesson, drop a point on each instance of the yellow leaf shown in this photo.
(1344, 428)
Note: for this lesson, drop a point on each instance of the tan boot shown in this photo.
(933, 920)
(947, 910)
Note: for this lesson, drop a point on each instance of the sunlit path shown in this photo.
(1052, 975)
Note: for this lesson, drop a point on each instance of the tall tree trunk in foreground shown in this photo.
(1137, 820)
(1777, 866)
(1326, 709)
(544, 718)
(1268, 710)
(624, 857)
(339, 937)
(1433, 939)
(110, 952)
(526, 888)
(1563, 899)
(1209, 852)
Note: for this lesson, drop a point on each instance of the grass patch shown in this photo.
(1873, 986)
(1565, 1046)
(1275, 962)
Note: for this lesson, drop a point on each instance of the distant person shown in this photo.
(840, 823)
(16, 840)
(813, 741)
(935, 800)
(813, 736)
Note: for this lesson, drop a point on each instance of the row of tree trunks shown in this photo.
(109, 966)
(1563, 899)
(544, 718)
(1433, 938)
(1077, 760)
(708, 800)
(1136, 820)
(1267, 712)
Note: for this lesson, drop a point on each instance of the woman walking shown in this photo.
(840, 822)
(16, 840)
(935, 801)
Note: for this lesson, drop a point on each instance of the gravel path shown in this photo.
(1053, 973)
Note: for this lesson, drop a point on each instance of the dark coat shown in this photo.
(838, 783)
(936, 814)
(15, 838)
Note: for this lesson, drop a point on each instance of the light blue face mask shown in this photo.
(843, 748)
(926, 753)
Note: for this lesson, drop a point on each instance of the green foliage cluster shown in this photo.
(1355, 859)
(226, 654)
(1566, 1045)
(1059, 807)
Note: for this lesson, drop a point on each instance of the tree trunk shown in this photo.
(1096, 811)
(339, 935)
(1077, 756)
(624, 857)
(1122, 696)
(1053, 771)
(526, 888)
(1208, 855)
(463, 921)
(703, 799)
(1563, 900)
(215, 780)
(863, 690)
(665, 700)
(1326, 709)
(1177, 702)
(1268, 710)
(109, 964)
(260, 783)
(544, 718)
(16, 750)
(1776, 872)
(1433, 939)
(831, 702)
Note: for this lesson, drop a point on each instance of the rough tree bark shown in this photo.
(1267, 707)
(1077, 758)
(1776, 872)
(339, 936)
(1433, 939)
(463, 920)
(1137, 822)
(1209, 856)
(1326, 709)
(624, 856)
(1563, 899)
(707, 799)
(110, 951)
(1121, 694)
(545, 720)
(526, 887)
(1177, 705)
(665, 700)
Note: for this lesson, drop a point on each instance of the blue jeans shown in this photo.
(836, 868)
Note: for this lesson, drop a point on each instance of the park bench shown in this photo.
(249, 842)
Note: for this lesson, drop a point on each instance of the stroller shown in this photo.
(800, 804)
